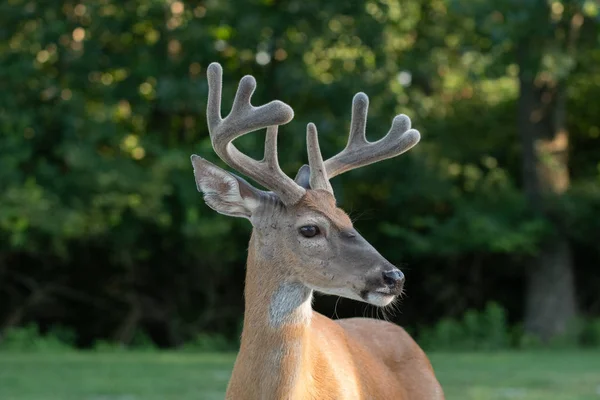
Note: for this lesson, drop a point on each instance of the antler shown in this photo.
(318, 173)
(245, 118)
(360, 152)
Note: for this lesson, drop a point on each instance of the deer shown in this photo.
(302, 243)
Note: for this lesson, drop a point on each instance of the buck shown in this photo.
(302, 242)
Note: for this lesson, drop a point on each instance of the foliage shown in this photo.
(102, 229)
(141, 342)
(208, 343)
(489, 330)
(485, 330)
(590, 334)
(29, 339)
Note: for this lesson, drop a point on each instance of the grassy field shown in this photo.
(168, 375)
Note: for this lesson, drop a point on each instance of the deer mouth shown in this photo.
(384, 291)
(379, 297)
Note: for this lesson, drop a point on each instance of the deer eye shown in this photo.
(309, 231)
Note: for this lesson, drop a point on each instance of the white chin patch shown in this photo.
(379, 299)
(375, 298)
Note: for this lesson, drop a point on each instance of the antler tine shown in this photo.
(244, 118)
(360, 152)
(318, 173)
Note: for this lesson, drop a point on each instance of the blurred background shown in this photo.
(494, 217)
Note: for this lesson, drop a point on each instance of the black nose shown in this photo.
(393, 278)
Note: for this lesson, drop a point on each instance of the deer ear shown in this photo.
(303, 177)
(224, 192)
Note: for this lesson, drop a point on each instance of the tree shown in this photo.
(544, 41)
(102, 102)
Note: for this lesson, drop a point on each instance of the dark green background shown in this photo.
(102, 102)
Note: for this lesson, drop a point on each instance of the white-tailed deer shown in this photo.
(301, 242)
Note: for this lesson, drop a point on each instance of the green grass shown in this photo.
(556, 375)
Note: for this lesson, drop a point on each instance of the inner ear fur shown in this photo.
(225, 192)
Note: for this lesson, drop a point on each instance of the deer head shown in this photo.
(297, 224)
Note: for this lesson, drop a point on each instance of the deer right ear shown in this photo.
(224, 192)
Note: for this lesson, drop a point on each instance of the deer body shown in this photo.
(304, 355)
(302, 242)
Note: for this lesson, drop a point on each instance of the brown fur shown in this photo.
(321, 359)
(288, 351)
(324, 203)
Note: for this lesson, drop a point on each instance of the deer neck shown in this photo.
(277, 318)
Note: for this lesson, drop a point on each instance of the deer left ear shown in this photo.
(303, 177)
(224, 192)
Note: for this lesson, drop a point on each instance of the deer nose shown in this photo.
(394, 278)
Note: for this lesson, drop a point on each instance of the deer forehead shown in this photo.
(323, 202)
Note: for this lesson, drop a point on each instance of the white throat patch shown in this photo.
(290, 304)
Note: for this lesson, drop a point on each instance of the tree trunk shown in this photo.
(551, 306)
(550, 297)
(18, 314)
(126, 330)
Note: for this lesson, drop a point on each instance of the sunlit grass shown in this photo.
(168, 375)
(528, 375)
